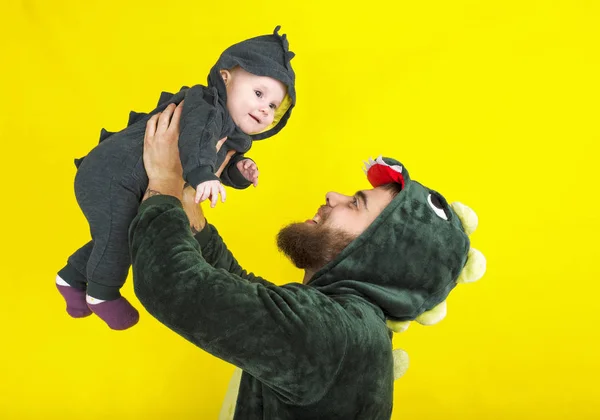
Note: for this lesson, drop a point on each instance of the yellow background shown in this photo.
(493, 103)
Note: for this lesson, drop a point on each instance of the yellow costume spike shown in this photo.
(398, 326)
(400, 363)
(433, 316)
(474, 269)
(467, 217)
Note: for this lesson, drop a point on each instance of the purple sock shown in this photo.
(118, 314)
(75, 298)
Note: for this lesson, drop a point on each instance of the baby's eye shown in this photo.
(437, 205)
(258, 93)
(273, 106)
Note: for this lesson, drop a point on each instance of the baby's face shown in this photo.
(252, 100)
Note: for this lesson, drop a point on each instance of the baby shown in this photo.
(250, 96)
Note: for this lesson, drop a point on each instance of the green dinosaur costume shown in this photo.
(316, 351)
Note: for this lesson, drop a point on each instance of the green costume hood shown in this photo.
(265, 55)
(410, 258)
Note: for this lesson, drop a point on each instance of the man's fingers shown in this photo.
(165, 117)
(220, 143)
(176, 117)
(199, 192)
(151, 126)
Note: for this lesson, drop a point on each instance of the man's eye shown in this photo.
(355, 202)
(258, 93)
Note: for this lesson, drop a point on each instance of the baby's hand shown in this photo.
(210, 189)
(248, 168)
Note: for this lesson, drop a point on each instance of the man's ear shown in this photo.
(226, 75)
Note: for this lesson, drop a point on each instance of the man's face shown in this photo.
(312, 244)
(252, 100)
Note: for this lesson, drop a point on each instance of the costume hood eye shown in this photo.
(438, 205)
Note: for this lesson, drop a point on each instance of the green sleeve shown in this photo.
(291, 338)
(215, 252)
(199, 133)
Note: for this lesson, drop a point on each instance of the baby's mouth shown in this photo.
(254, 118)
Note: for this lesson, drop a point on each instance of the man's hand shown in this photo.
(161, 153)
(193, 210)
(210, 189)
(249, 170)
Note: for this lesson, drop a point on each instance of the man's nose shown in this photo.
(333, 199)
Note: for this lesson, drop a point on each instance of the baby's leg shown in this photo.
(71, 283)
(109, 209)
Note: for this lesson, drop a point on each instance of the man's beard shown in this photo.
(311, 247)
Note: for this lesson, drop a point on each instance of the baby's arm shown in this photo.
(200, 131)
(234, 174)
(198, 137)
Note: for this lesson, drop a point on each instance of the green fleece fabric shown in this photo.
(407, 261)
(316, 351)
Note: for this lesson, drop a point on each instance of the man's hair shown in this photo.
(393, 188)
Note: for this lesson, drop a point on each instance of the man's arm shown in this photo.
(213, 248)
(291, 338)
(216, 253)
